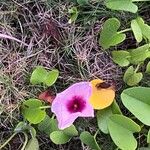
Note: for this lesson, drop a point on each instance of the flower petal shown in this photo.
(103, 96)
(59, 106)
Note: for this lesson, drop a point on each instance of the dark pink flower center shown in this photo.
(76, 104)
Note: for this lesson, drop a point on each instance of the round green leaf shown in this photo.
(38, 75)
(121, 130)
(121, 58)
(109, 36)
(89, 140)
(125, 5)
(48, 125)
(137, 101)
(51, 77)
(32, 112)
(32, 144)
(139, 54)
(145, 28)
(131, 77)
(71, 131)
(104, 114)
(59, 137)
(136, 30)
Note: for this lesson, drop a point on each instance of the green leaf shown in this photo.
(32, 112)
(51, 77)
(115, 108)
(89, 140)
(104, 114)
(148, 68)
(32, 144)
(48, 125)
(38, 75)
(83, 2)
(131, 77)
(23, 126)
(73, 14)
(139, 54)
(136, 30)
(59, 137)
(125, 5)
(137, 101)
(145, 28)
(109, 35)
(121, 130)
(121, 58)
(148, 137)
(70, 131)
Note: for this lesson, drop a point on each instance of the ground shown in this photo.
(49, 40)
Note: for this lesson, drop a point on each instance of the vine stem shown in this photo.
(126, 30)
(96, 133)
(137, 68)
(45, 107)
(25, 142)
(53, 116)
(10, 138)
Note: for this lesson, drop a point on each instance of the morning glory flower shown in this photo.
(73, 103)
(103, 94)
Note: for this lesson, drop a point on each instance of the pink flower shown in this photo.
(73, 103)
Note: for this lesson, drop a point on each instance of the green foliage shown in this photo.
(131, 77)
(126, 5)
(140, 29)
(58, 137)
(48, 125)
(104, 114)
(89, 140)
(24, 127)
(135, 56)
(121, 130)
(136, 30)
(32, 111)
(109, 35)
(71, 131)
(137, 101)
(148, 68)
(63, 136)
(33, 144)
(139, 54)
(148, 137)
(73, 14)
(122, 58)
(40, 75)
(145, 28)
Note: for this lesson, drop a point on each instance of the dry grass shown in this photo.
(52, 43)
